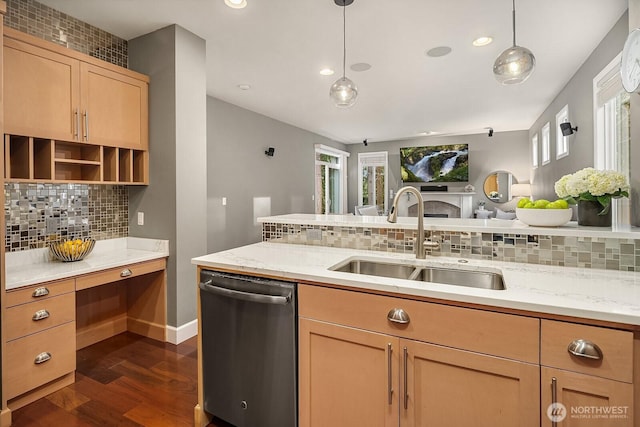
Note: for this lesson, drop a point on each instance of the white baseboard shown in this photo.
(182, 333)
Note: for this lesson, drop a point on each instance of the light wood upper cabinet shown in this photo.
(57, 93)
(41, 92)
(114, 108)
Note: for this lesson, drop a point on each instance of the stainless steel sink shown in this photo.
(449, 276)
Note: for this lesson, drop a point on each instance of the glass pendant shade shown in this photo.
(514, 65)
(344, 92)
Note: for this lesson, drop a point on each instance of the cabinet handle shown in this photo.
(42, 357)
(554, 397)
(389, 375)
(76, 131)
(586, 349)
(126, 273)
(406, 387)
(398, 315)
(40, 315)
(40, 292)
(86, 125)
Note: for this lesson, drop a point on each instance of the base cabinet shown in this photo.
(354, 377)
(584, 400)
(450, 387)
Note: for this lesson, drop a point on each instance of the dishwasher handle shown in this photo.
(208, 286)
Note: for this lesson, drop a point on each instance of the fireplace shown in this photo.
(444, 205)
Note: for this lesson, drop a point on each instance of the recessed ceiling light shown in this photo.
(482, 41)
(236, 4)
(244, 86)
(327, 72)
(439, 51)
(360, 66)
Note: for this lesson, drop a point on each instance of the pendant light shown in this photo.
(344, 91)
(515, 64)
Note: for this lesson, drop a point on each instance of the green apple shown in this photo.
(540, 204)
(523, 202)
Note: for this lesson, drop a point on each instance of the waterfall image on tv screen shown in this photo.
(436, 163)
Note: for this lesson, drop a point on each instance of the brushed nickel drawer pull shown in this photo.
(42, 357)
(398, 315)
(586, 349)
(40, 315)
(126, 273)
(40, 292)
(76, 131)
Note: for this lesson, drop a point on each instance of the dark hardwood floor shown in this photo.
(127, 380)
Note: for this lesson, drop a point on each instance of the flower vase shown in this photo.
(588, 214)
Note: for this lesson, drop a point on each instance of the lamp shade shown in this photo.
(520, 190)
(514, 65)
(344, 92)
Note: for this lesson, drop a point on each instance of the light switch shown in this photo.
(140, 218)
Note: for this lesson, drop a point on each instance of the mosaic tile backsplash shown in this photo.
(41, 21)
(38, 213)
(585, 252)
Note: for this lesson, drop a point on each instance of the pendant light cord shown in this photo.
(513, 14)
(344, 37)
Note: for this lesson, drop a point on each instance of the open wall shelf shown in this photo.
(36, 159)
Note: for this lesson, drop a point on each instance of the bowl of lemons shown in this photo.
(543, 213)
(72, 249)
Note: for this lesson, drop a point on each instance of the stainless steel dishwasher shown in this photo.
(249, 349)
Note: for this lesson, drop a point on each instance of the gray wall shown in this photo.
(254, 184)
(578, 94)
(634, 166)
(505, 151)
(174, 203)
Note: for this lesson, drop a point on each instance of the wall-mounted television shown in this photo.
(435, 163)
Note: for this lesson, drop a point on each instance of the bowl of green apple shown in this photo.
(543, 213)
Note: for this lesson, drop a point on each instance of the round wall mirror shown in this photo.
(497, 186)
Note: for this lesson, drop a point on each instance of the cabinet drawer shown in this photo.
(26, 319)
(38, 292)
(119, 273)
(616, 348)
(505, 335)
(22, 373)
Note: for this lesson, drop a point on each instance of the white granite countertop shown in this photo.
(490, 225)
(34, 266)
(606, 295)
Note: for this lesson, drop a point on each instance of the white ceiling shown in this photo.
(279, 46)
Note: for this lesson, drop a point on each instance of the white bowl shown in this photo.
(544, 217)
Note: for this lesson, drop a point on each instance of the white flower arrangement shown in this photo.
(593, 185)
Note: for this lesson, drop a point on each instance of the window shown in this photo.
(612, 124)
(546, 145)
(534, 151)
(562, 142)
(330, 180)
(372, 176)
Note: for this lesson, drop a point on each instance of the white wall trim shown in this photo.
(182, 333)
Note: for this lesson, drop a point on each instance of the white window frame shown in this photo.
(534, 151)
(562, 142)
(546, 144)
(341, 165)
(378, 158)
(606, 154)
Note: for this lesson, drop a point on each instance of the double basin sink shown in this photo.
(449, 276)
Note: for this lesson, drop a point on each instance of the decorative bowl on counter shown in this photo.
(544, 217)
(72, 250)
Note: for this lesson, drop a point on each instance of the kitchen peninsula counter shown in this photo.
(593, 294)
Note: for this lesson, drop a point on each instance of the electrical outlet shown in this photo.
(224, 201)
(313, 234)
(140, 218)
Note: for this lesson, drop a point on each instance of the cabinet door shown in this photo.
(114, 108)
(41, 92)
(346, 376)
(587, 401)
(449, 387)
